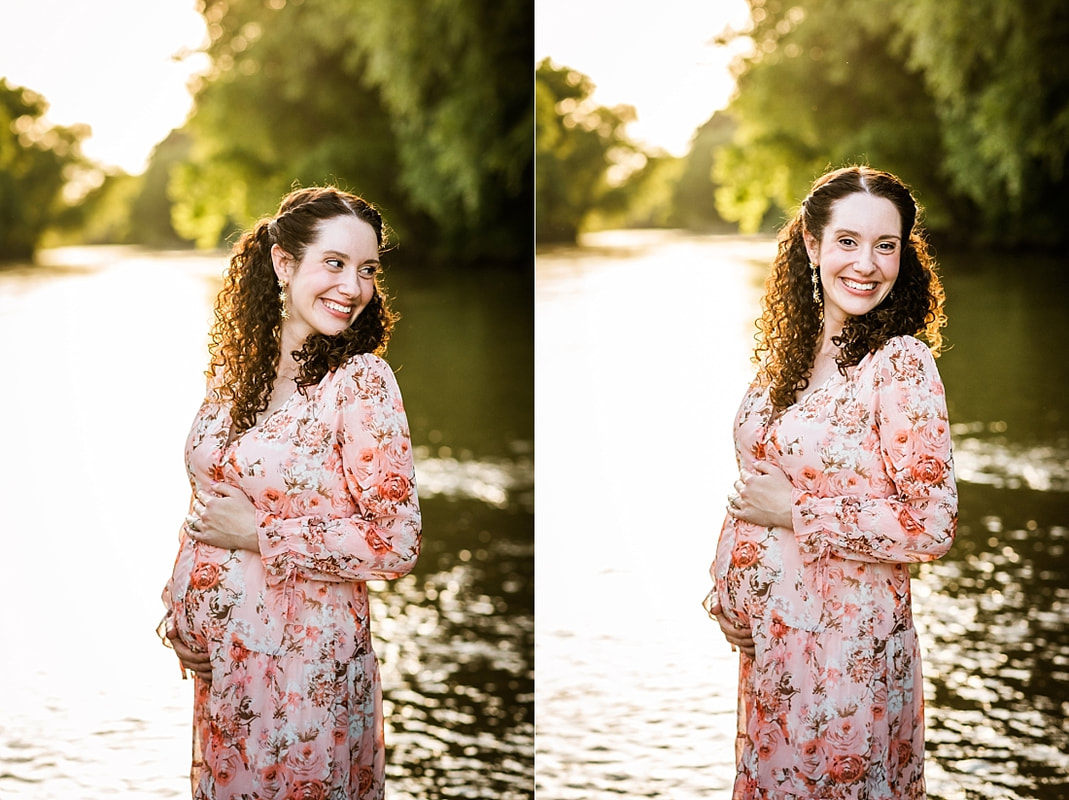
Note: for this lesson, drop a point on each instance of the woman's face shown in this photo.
(334, 281)
(859, 254)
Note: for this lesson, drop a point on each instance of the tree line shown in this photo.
(425, 109)
(966, 100)
(430, 111)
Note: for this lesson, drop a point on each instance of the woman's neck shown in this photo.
(827, 346)
(287, 365)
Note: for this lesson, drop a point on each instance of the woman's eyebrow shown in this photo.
(857, 235)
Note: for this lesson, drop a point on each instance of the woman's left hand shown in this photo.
(226, 518)
(762, 497)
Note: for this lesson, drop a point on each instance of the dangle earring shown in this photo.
(815, 271)
(285, 314)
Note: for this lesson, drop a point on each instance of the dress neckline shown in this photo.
(232, 441)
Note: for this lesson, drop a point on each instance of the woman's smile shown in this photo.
(858, 286)
(340, 310)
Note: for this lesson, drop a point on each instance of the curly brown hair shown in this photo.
(791, 324)
(245, 338)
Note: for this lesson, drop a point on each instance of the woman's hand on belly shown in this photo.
(198, 663)
(741, 638)
(224, 519)
(763, 497)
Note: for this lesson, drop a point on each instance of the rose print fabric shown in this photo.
(294, 708)
(831, 705)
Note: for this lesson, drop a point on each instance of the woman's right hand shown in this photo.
(742, 638)
(198, 663)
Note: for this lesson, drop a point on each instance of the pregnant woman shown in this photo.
(303, 489)
(846, 477)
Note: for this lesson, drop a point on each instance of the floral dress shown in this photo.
(831, 705)
(294, 708)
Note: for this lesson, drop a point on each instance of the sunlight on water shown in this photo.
(994, 461)
(642, 354)
(496, 483)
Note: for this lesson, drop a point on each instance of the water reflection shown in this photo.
(642, 354)
(104, 349)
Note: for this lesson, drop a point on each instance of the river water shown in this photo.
(643, 342)
(104, 351)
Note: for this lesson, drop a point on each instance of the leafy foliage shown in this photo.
(34, 163)
(999, 76)
(425, 109)
(693, 202)
(964, 99)
(823, 87)
(576, 143)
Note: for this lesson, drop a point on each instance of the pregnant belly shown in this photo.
(209, 584)
(759, 568)
(736, 568)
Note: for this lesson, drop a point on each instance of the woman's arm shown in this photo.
(918, 520)
(382, 540)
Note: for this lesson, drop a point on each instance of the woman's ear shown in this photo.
(282, 262)
(812, 246)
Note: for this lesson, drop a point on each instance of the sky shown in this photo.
(654, 56)
(106, 63)
(112, 64)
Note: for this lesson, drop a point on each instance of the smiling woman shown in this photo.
(845, 477)
(303, 489)
(325, 291)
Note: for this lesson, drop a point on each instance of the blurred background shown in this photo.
(669, 147)
(136, 140)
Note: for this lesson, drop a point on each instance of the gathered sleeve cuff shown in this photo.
(917, 519)
(381, 540)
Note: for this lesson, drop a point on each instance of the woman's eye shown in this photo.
(846, 241)
(334, 262)
(887, 247)
(368, 271)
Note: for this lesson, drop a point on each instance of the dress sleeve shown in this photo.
(381, 539)
(914, 518)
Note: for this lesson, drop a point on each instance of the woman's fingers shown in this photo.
(198, 663)
(741, 638)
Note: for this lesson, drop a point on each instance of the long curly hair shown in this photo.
(245, 337)
(791, 323)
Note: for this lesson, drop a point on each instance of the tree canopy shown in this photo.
(35, 163)
(425, 109)
(967, 100)
(576, 144)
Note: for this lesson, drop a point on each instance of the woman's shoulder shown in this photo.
(905, 358)
(368, 373)
(365, 363)
(905, 346)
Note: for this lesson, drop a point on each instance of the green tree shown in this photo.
(455, 77)
(101, 215)
(35, 159)
(693, 202)
(576, 143)
(824, 85)
(421, 107)
(999, 76)
(150, 209)
(967, 101)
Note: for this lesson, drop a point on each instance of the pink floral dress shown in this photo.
(831, 705)
(294, 708)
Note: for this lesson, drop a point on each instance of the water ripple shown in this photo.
(983, 456)
(501, 483)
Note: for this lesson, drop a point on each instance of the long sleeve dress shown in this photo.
(294, 708)
(831, 705)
